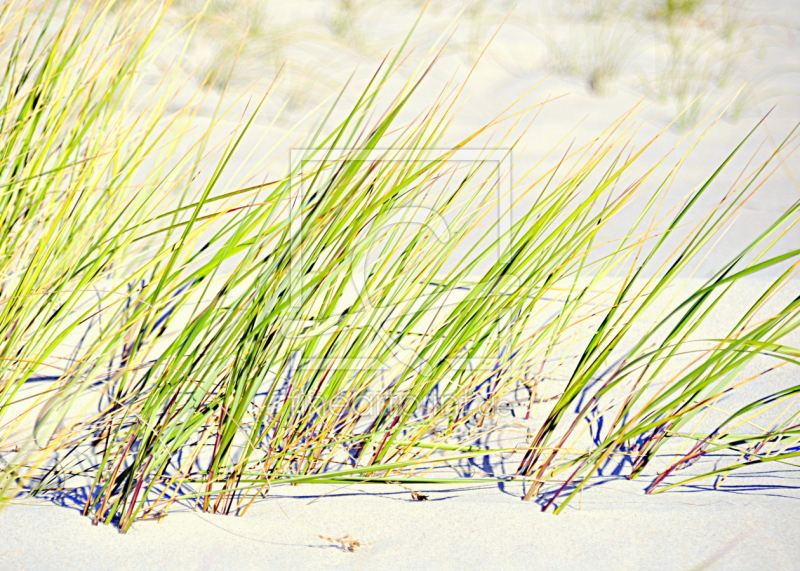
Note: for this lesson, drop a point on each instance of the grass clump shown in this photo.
(375, 314)
(89, 160)
(672, 9)
(68, 154)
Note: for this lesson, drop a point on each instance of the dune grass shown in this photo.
(671, 9)
(684, 53)
(89, 163)
(68, 161)
(372, 316)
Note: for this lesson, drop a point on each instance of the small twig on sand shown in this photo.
(416, 496)
(346, 542)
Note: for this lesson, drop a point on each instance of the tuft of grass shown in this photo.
(672, 9)
(344, 20)
(701, 51)
(90, 158)
(598, 44)
(373, 315)
(700, 65)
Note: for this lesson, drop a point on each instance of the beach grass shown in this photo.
(371, 315)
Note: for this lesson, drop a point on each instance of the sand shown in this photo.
(613, 526)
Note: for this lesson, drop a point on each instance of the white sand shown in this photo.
(613, 526)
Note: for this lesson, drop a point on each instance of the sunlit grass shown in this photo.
(371, 315)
